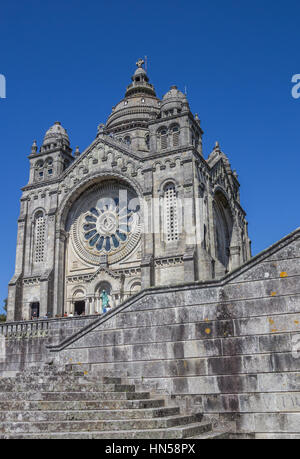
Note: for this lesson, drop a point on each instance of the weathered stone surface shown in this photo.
(75, 403)
(229, 349)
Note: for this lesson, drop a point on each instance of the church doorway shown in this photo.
(79, 308)
(35, 310)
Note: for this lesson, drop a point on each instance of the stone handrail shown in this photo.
(28, 329)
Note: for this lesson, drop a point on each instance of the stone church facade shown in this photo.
(140, 207)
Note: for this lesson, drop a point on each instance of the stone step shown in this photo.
(109, 380)
(73, 395)
(183, 432)
(55, 386)
(99, 426)
(81, 405)
(83, 415)
(84, 378)
(214, 435)
(47, 372)
(57, 403)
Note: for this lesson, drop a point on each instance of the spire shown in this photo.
(217, 146)
(197, 119)
(34, 148)
(77, 152)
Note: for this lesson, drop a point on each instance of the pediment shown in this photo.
(102, 271)
(104, 154)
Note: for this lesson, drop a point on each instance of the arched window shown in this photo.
(49, 166)
(135, 288)
(127, 140)
(175, 136)
(39, 166)
(163, 137)
(223, 228)
(170, 213)
(147, 141)
(39, 237)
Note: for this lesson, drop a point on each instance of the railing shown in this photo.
(21, 330)
(41, 328)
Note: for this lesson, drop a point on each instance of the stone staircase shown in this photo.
(55, 403)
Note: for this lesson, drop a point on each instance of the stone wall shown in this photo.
(24, 343)
(228, 348)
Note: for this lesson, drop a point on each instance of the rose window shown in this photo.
(107, 228)
(105, 221)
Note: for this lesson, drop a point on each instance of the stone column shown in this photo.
(189, 221)
(147, 236)
(92, 309)
(189, 265)
(146, 271)
(88, 302)
(43, 297)
(59, 272)
(235, 248)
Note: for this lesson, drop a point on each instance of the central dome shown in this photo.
(139, 106)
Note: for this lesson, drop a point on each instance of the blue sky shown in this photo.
(70, 60)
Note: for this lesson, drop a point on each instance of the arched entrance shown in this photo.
(79, 308)
(78, 302)
(35, 310)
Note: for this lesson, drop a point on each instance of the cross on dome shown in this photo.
(140, 63)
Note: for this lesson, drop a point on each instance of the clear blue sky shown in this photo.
(70, 60)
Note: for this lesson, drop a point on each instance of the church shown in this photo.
(133, 259)
(140, 207)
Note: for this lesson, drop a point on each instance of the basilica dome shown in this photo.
(139, 105)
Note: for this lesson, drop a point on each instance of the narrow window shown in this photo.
(171, 217)
(39, 238)
(163, 139)
(147, 141)
(175, 132)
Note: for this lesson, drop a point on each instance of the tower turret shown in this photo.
(54, 156)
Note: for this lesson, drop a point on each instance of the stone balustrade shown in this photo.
(28, 329)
